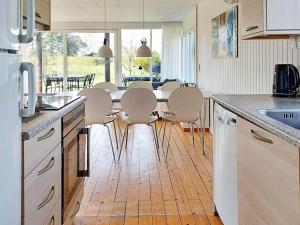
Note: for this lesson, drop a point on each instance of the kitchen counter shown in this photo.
(46, 118)
(246, 106)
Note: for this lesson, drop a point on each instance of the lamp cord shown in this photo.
(105, 16)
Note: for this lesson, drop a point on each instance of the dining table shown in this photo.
(161, 95)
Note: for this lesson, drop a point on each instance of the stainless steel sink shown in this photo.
(290, 117)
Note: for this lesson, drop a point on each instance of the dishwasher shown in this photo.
(225, 165)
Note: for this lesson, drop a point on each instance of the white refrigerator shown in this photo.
(11, 104)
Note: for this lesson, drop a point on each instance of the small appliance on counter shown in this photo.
(286, 80)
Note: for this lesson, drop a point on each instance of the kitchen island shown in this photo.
(46, 153)
(266, 153)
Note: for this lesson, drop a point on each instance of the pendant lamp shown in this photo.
(144, 50)
(105, 51)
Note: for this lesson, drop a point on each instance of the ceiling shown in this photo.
(120, 10)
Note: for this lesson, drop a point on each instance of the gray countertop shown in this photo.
(246, 106)
(46, 119)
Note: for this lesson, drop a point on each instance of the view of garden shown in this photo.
(47, 54)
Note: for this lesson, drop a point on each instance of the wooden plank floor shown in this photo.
(140, 190)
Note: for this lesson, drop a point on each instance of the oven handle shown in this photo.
(86, 172)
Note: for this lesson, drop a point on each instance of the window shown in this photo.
(46, 54)
(189, 57)
(83, 60)
(83, 66)
(131, 41)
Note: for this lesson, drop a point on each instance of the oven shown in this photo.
(76, 156)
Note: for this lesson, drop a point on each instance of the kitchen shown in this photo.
(243, 170)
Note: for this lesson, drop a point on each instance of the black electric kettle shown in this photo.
(286, 80)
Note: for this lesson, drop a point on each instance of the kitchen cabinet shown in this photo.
(41, 177)
(268, 177)
(270, 18)
(42, 13)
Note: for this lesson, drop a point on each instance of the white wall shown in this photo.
(252, 71)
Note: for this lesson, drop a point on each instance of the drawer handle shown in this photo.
(76, 211)
(52, 221)
(49, 134)
(47, 167)
(48, 198)
(260, 138)
(38, 15)
(252, 28)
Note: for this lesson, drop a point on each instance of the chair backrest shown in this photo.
(97, 105)
(186, 103)
(106, 86)
(138, 103)
(172, 85)
(140, 84)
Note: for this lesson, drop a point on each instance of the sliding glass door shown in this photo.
(84, 66)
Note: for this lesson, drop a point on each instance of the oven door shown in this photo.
(76, 152)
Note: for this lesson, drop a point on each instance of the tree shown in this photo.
(53, 44)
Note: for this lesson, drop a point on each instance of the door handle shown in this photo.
(251, 28)
(83, 172)
(52, 221)
(260, 138)
(49, 134)
(48, 198)
(28, 37)
(47, 167)
(31, 89)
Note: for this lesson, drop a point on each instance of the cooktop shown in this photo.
(54, 102)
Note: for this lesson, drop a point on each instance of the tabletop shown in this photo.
(161, 95)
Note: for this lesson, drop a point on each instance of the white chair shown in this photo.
(138, 104)
(186, 104)
(169, 86)
(97, 107)
(172, 85)
(140, 84)
(106, 86)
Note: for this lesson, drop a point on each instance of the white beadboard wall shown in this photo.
(252, 71)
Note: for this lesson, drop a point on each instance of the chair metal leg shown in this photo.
(111, 144)
(156, 134)
(120, 132)
(126, 138)
(162, 124)
(202, 134)
(169, 139)
(163, 140)
(123, 137)
(155, 141)
(116, 136)
(192, 126)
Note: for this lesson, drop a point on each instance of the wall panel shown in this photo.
(252, 71)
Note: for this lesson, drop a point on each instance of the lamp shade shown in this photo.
(144, 50)
(105, 51)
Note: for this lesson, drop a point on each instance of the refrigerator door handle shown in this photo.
(30, 110)
(28, 37)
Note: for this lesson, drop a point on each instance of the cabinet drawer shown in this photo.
(41, 177)
(45, 205)
(37, 148)
(55, 217)
(70, 214)
(268, 177)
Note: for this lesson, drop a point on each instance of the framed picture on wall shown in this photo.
(225, 34)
